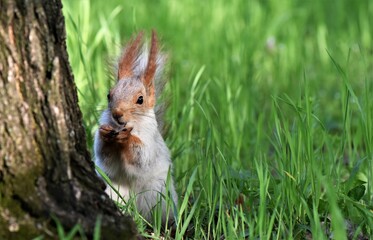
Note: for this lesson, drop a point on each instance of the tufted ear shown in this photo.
(152, 61)
(151, 68)
(129, 56)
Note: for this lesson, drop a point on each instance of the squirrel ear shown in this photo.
(152, 61)
(151, 69)
(128, 58)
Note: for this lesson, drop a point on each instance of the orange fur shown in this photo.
(151, 69)
(128, 58)
(124, 142)
(129, 147)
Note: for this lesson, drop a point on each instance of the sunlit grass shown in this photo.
(269, 100)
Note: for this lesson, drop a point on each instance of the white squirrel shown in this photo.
(128, 145)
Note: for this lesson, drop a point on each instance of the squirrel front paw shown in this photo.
(123, 135)
(109, 134)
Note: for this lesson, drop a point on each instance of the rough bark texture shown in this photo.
(45, 168)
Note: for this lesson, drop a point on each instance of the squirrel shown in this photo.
(128, 146)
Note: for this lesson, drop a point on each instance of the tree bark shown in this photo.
(45, 168)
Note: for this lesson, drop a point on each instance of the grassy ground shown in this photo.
(270, 107)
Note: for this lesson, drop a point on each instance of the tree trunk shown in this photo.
(45, 168)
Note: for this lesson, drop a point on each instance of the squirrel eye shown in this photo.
(140, 100)
(108, 97)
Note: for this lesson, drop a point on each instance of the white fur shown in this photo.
(146, 179)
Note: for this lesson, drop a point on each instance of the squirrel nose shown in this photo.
(117, 116)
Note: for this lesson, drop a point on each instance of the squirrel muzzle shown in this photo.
(118, 116)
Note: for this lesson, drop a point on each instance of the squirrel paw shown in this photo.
(108, 133)
(123, 135)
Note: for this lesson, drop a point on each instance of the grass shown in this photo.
(270, 116)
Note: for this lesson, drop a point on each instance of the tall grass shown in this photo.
(270, 116)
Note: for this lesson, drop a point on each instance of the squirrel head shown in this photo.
(134, 93)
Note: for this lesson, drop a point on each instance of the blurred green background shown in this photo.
(269, 99)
